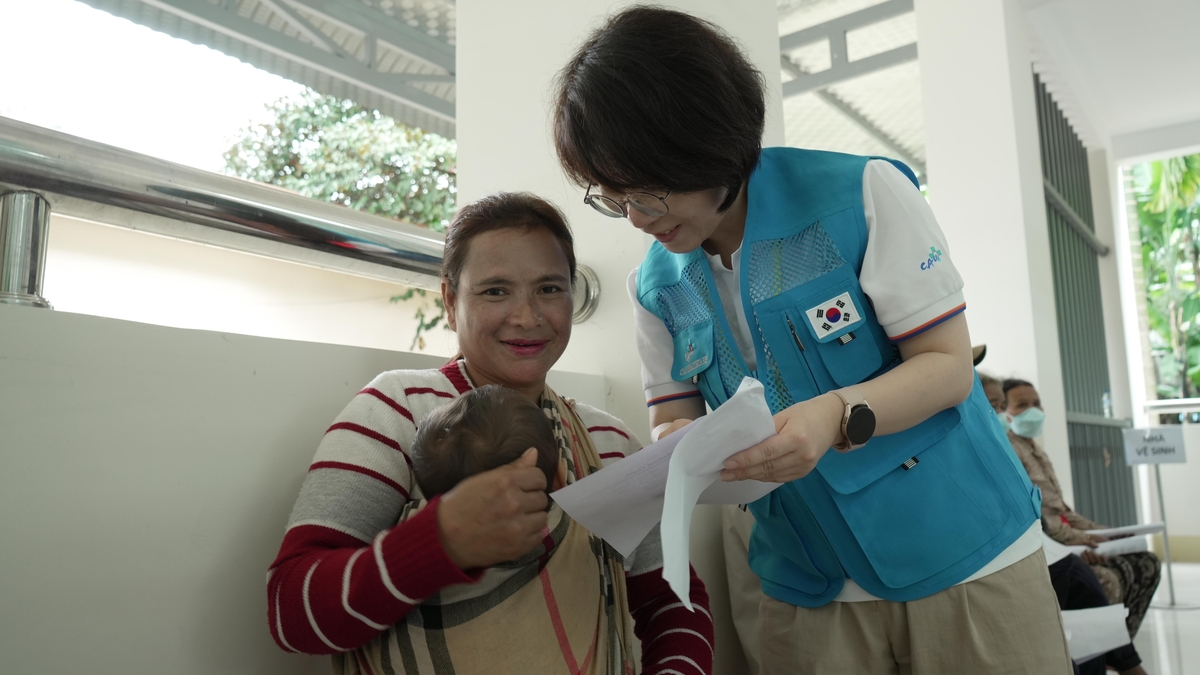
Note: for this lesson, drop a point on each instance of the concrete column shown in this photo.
(508, 55)
(985, 185)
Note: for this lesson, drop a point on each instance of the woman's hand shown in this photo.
(1092, 558)
(805, 432)
(494, 516)
(1094, 539)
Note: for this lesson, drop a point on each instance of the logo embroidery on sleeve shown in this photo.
(833, 315)
(935, 256)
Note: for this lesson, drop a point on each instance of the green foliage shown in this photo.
(1168, 211)
(425, 322)
(334, 150)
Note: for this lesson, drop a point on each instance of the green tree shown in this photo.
(1168, 211)
(337, 151)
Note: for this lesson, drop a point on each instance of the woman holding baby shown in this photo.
(489, 577)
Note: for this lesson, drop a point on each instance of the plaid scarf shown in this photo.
(561, 608)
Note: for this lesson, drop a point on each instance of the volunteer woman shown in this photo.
(913, 547)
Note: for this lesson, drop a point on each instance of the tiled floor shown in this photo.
(1169, 640)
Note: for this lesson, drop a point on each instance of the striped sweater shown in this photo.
(347, 570)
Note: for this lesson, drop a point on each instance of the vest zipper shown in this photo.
(794, 336)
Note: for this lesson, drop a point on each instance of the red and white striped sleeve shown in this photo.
(674, 640)
(346, 570)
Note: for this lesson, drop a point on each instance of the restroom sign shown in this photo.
(1155, 445)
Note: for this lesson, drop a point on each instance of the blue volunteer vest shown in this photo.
(909, 514)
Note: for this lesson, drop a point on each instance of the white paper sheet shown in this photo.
(695, 467)
(1092, 632)
(1055, 551)
(1120, 546)
(1148, 528)
(622, 502)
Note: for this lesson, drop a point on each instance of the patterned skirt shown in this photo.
(1130, 579)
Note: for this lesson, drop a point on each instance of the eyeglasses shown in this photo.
(651, 205)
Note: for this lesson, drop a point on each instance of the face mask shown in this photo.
(1004, 423)
(1029, 423)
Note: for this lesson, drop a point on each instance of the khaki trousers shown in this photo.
(1007, 622)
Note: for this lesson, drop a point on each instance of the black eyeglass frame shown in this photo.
(591, 199)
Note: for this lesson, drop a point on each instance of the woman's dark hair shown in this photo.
(658, 99)
(500, 211)
(1013, 383)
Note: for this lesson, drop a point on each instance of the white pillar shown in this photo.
(508, 55)
(985, 185)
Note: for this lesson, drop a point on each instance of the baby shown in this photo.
(483, 429)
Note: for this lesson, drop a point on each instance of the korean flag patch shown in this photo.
(833, 315)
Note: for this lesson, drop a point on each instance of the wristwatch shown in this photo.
(858, 421)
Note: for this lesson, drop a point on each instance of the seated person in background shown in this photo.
(483, 429)
(1129, 578)
(1076, 586)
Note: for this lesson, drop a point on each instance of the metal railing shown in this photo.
(78, 177)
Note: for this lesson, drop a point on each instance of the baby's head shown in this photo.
(483, 429)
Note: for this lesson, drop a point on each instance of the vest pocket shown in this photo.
(922, 516)
(778, 552)
(832, 323)
(838, 319)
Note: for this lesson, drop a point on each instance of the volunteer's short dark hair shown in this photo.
(656, 99)
(483, 429)
(1012, 383)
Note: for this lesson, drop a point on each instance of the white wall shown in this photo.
(148, 475)
(126, 274)
(985, 185)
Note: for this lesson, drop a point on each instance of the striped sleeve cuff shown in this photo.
(673, 391)
(416, 560)
(919, 322)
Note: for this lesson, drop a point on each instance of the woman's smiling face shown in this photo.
(512, 310)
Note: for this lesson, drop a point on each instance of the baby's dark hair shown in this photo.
(483, 429)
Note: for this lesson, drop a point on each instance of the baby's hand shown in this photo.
(667, 428)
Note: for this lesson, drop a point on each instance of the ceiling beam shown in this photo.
(839, 104)
(229, 22)
(387, 28)
(847, 70)
(303, 26)
(1159, 142)
(842, 24)
(841, 68)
